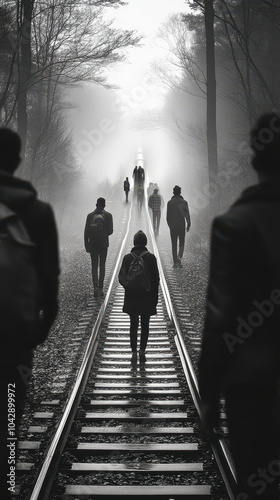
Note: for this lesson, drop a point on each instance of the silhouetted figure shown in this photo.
(140, 279)
(140, 198)
(162, 201)
(177, 215)
(241, 341)
(136, 181)
(141, 176)
(154, 204)
(98, 228)
(29, 271)
(126, 187)
(135, 174)
(150, 189)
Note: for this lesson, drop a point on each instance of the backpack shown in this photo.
(138, 276)
(97, 235)
(19, 291)
(97, 222)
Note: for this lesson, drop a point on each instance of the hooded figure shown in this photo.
(29, 271)
(138, 302)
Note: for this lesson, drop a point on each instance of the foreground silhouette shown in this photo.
(241, 342)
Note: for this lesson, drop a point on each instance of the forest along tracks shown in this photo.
(130, 430)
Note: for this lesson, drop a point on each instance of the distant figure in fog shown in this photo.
(137, 180)
(29, 270)
(135, 174)
(98, 228)
(126, 187)
(150, 189)
(140, 198)
(140, 278)
(141, 176)
(241, 342)
(154, 204)
(177, 215)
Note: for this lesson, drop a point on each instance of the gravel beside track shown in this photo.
(57, 360)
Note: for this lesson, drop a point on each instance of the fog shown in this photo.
(112, 78)
(104, 122)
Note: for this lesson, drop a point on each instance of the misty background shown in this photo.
(88, 83)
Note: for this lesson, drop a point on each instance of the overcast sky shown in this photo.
(135, 95)
(144, 16)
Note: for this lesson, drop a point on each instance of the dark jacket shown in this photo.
(38, 219)
(141, 303)
(100, 239)
(178, 213)
(155, 202)
(241, 339)
(126, 185)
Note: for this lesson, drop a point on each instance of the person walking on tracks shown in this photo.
(241, 343)
(140, 278)
(140, 198)
(98, 228)
(29, 270)
(141, 176)
(154, 204)
(177, 215)
(150, 189)
(126, 188)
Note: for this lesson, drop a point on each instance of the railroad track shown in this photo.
(131, 430)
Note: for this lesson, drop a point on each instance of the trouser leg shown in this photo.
(181, 243)
(174, 238)
(154, 220)
(94, 266)
(134, 323)
(102, 261)
(158, 220)
(145, 319)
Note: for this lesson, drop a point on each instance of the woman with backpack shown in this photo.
(140, 278)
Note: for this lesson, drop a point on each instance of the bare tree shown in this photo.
(211, 97)
(182, 68)
(249, 32)
(25, 10)
(57, 43)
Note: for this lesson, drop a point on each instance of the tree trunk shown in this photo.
(214, 191)
(24, 70)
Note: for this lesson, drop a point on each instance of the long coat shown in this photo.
(142, 302)
(241, 338)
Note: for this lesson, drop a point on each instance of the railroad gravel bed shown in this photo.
(57, 360)
(187, 285)
(52, 361)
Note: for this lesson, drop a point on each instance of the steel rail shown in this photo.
(44, 481)
(218, 444)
